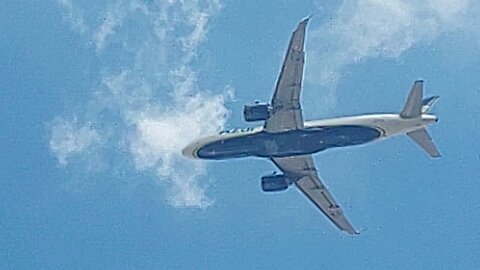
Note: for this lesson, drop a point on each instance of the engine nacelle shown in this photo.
(275, 182)
(257, 112)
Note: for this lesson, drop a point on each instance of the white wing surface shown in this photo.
(286, 110)
(301, 170)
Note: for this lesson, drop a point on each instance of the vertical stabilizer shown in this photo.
(423, 139)
(413, 106)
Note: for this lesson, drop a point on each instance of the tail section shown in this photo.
(427, 103)
(415, 107)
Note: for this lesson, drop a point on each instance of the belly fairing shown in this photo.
(290, 143)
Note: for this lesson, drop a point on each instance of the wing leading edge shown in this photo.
(301, 170)
(286, 109)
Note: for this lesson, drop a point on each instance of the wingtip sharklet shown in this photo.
(306, 19)
(352, 232)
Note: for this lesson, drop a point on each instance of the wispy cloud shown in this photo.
(73, 15)
(69, 138)
(112, 19)
(158, 139)
(150, 101)
(363, 29)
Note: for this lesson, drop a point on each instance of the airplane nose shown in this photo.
(189, 150)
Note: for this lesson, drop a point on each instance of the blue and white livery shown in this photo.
(288, 141)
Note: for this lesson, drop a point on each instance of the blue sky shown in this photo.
(98, 98)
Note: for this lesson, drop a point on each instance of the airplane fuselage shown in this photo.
(316, 136)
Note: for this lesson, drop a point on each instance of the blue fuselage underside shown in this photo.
(289, 143)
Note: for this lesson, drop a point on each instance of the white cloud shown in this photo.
(68, 138)
(73, 15)
(161, 136)
(363, 29)
(449, 11)
(111, 20)
(159, 139)
(198, 20)
(132, 95)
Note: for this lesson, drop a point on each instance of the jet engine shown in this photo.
(257, 112)
(275, 182)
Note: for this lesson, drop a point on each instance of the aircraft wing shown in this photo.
(287, 112)
(301, 170)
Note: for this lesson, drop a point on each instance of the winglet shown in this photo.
(303, 24)
(306, 19)
(413, 106)
(363, 229)
(298, 37)
(351, 231)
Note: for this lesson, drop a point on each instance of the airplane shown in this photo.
(289, 141)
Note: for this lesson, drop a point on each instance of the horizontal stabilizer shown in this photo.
(423, 139)
(427, 103)
(413, 106)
